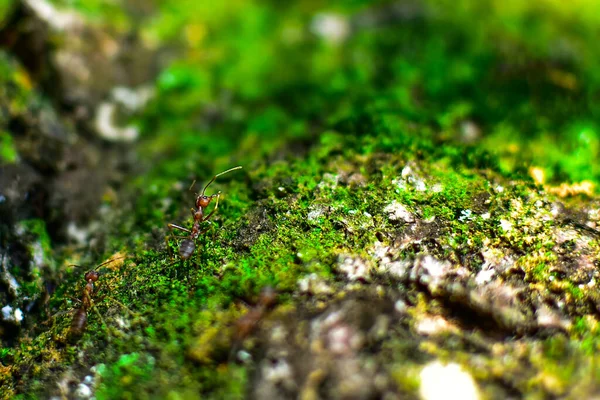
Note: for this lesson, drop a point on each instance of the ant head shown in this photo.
(203, 201)
(92, 276)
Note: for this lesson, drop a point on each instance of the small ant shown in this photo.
(245, 325)
(248, 322)
(80, 318)
(188, 244)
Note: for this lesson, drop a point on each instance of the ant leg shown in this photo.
(74, 299)
(51, 318)
(171, 227)
(218, 195)
(124, 307)
(113, 300)
(103, 323)
(181, 228)
(168, 247)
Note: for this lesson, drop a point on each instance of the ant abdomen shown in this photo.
(79, 322)
(186, 248)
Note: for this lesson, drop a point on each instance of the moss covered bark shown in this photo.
(401, 193)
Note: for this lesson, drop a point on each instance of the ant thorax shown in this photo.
(199, 214)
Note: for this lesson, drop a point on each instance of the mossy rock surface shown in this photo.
(418, 190)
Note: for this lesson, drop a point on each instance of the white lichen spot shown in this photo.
(469, 131)
(556, 209)
(315, 212)
(430, 272)
(133, 99)
(442, 382)
(429, 220)
(279, 334)
(83, 391)
(332, 319)
(380, 251)
(313, 284)
(342, 339)
(10, 314)
(7, 313)
(396, 268)
(58, 20)
(566, 235)
(465, 215)
(354, 268)
(433, 325)
(593, 217)
(8, 279)
(37, 252)
(548, 318)
(334, 28)
(400, 306)
(398, 212)
(122, 322)
(330, 181)
(420, 185)
(244, 356)
(106, 127)
(279, 371)
(338, 339)
(499, 189)
(485, 275)
(506, 225)
(18, 314)
(485, 216)
(77, 234)
(408, 179)
(437, 188)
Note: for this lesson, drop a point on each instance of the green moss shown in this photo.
(15, 87)
(124, 378)
(329, 135)
(8, 152)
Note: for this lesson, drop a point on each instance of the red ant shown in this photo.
(188, 244)
(245, 325)
(80, 318)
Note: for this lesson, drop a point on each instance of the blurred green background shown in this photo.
(519, 78)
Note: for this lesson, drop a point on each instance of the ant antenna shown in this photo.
(217, 175)
(100, 265)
